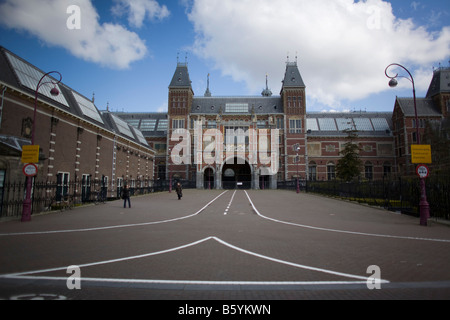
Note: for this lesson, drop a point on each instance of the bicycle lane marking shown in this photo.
(342, 231)
(229, 204)
(114, 227)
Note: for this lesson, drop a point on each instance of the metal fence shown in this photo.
(51, 196)
(401, 194)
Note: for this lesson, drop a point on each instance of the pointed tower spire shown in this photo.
(207, 92)
(266, 92)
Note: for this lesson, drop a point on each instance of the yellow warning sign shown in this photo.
(421, 153)
(30, 154)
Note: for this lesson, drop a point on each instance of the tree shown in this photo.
(349, 166)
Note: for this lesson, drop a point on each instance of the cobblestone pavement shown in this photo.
(225, 245)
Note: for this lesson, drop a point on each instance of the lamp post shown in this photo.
(26, 209)
(168, 171)
(424, 206)
(298, 160)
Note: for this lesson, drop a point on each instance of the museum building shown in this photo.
(309, 144)
(233, 141)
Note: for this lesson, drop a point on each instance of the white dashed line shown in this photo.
(229, 205)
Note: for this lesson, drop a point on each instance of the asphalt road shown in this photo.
(224, 245)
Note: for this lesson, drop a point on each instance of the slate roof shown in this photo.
(292, 77)
(425, 107)
(260, 105)
(22, 75)
(440, 82)
(181, 77)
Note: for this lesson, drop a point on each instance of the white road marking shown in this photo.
(115, 227)
(342, 231)
(362, 279)
(356, 279)
(229, 205)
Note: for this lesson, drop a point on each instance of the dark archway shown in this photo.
(236, 175)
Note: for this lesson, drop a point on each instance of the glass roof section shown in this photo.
(140, 136)
(363, 124)
(163, 125)
(122, 126)
(348, 123)
(29, 77)
(344, 124)
(87, 107)
(327, 124)
(148, 124)
(311, 124)
(133, 122)
(380, 124)
(236, 108)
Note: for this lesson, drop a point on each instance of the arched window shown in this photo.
(312, 171)
(331, 171)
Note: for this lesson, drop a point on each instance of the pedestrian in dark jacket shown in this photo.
(126, 196)
(179, 190)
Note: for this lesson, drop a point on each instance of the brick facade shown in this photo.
(73, 146)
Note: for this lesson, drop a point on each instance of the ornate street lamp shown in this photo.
(423, 205)
(26, 210)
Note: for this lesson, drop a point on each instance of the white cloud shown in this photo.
(343, 46)
(163, 108)
(108, 44)
(139, 10)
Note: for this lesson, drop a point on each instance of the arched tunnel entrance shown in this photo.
(236, 174)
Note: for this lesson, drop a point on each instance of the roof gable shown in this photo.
(181, 77)
(292, 77)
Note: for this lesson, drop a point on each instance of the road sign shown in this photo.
(421, 153)
(30, 170)
(423, 171)
(30, 154)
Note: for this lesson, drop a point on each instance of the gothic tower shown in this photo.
(179, 105)
(294, 106)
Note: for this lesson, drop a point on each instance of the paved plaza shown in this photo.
(232, 245)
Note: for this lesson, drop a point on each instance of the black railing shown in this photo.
(50, 196)
(400, 194)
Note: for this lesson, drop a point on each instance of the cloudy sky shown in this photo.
(126, 51)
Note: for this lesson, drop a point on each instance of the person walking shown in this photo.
(126, 196)
(179, 190)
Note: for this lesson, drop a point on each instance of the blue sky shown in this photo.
(125, 51)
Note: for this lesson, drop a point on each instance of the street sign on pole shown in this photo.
(30, 170)
(421, 153)
(30, 154)
(423, 171)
